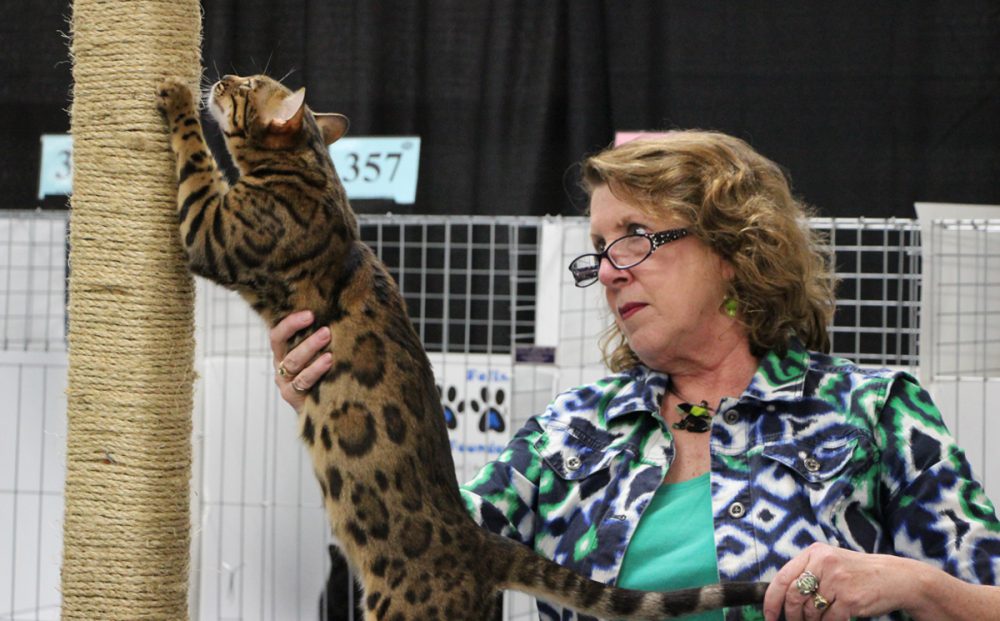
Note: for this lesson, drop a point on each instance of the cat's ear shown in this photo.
(333, 126)
(286, 118)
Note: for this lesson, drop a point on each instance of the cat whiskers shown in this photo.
(206, 86)
(284, 77)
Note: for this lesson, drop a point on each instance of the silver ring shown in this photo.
(807, 583)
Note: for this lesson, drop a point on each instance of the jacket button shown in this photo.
(573, 463)
(737, 510)
(731, 417)
(812, 464)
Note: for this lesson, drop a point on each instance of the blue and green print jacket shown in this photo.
(816, 449)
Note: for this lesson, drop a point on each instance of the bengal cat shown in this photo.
(284, 236)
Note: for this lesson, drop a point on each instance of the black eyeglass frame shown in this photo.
(586, 276)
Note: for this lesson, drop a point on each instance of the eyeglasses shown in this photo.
(623, 253)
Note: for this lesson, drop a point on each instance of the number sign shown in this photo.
(369, 167)
(378, 167)
(57, 165)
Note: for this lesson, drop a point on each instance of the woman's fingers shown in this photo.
(783, 586)
(296, 371)
(299, 358)
(284, 330)
(799, 590)
(307, 378)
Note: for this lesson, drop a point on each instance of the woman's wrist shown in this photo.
(922, 591)
(931, 594)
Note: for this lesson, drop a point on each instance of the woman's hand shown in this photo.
(866, 585)
(853, 583)
(296, 371)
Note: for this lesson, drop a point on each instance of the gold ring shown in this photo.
(808, 583)
(282, 371)
(820, 602)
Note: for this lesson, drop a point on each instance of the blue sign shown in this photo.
(57, 165)
(369, 167)
(378, 167)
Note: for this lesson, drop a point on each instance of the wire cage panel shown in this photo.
(32, 281)
(960, 363)
(458, 276)
(32, 460)
(965, 270)
(32, 412)
(877, 264)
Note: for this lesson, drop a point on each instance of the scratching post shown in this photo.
(131, 306)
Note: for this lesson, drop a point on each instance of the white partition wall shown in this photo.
(505, 330)
(32, 412)
(960, 335)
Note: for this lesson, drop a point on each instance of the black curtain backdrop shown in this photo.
(870, 105)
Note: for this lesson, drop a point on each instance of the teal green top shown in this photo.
(674, 545)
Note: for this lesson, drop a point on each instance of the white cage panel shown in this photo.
(960, 359)
(968, 405)
(32, 458)
(582, 314)
(32, 281)
(32, 412)
(965, 259)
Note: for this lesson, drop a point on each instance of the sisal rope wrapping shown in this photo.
(131, 338)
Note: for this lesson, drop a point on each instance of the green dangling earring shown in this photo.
(729, 306)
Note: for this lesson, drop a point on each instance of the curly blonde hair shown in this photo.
(740, 204)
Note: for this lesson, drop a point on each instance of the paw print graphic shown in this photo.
(491, 418)
(452, 408)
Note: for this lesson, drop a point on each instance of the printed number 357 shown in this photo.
(372, 167)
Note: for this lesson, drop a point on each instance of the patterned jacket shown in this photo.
(816, 449)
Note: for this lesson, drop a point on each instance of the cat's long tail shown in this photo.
(519, 568)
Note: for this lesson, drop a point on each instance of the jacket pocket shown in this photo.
(819, 475)
(573, 454)
(815, 461)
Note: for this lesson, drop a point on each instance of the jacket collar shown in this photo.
(778, 378)
(642, 391)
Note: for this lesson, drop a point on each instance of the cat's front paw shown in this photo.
(173, 97)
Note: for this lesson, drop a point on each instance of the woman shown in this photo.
(725, 445)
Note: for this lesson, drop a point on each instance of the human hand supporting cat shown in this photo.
(304, 365)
